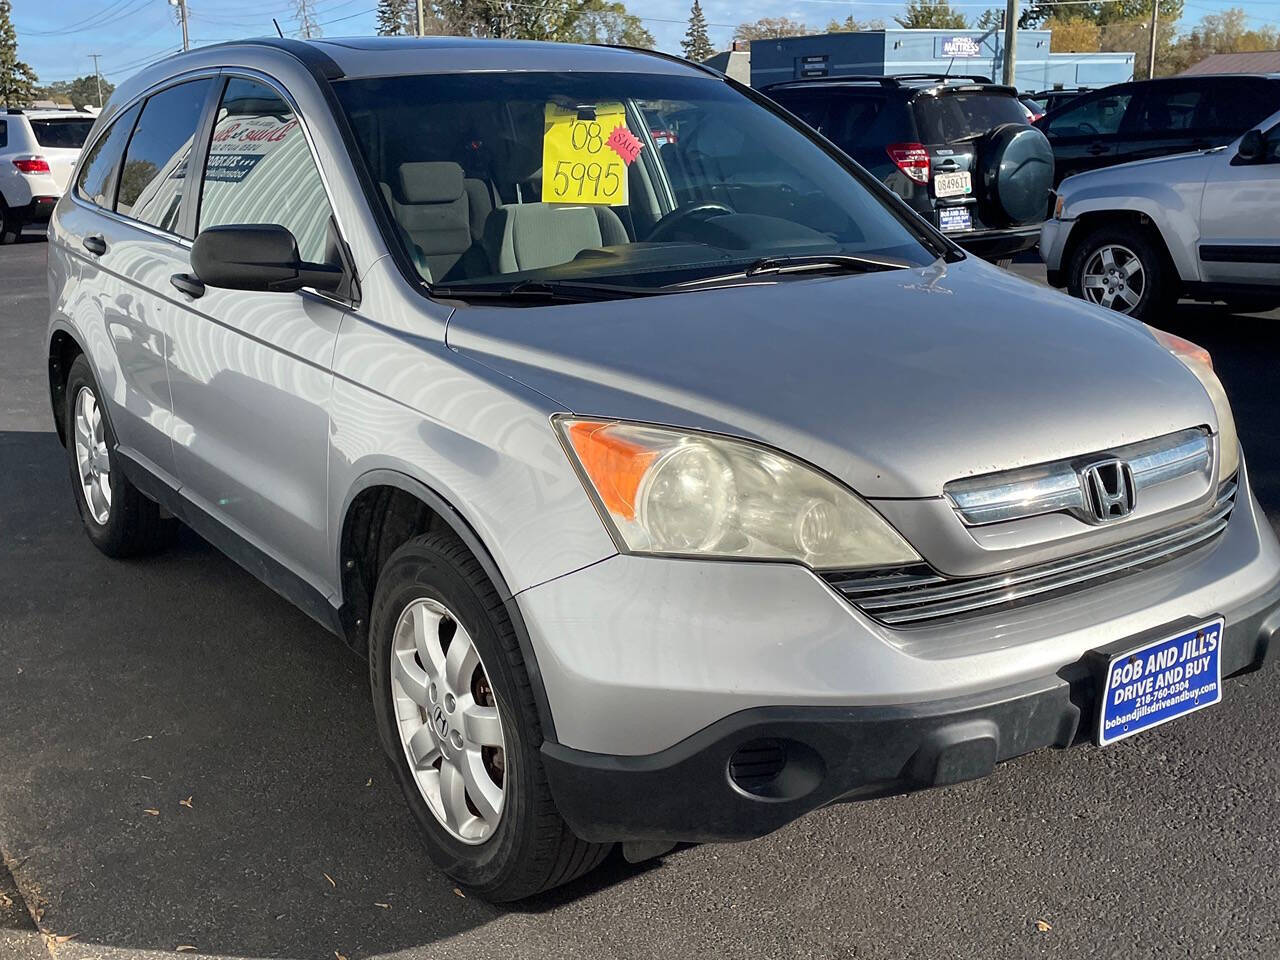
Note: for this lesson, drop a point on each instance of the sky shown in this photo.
(56, 38)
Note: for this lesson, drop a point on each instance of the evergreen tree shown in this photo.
(16, 78)
(932, 14)
(396, 18)
(696, 44)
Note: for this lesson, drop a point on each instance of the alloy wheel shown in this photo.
(1114, 278)
(448, 721)
(92, 460)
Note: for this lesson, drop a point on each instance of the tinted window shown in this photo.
(1234, 105)
(260, 169)
(1167, 107)
(96, 170)
(955, 116)
(69, 133)
(1092, 117)
(4, 133)
(155, 164)
(851, 121)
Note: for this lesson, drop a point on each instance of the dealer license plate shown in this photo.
(1161, 681)
(954, 219)
(953, 184)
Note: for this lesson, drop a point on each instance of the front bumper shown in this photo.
(808, 757)
(38, 210)
(1053, 245)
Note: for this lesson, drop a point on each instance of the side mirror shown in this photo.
(1252, 149)
(258, 256)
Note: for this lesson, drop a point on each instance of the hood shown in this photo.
(1141, 170)
(895, 382)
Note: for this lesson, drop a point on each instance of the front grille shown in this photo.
(919, 594)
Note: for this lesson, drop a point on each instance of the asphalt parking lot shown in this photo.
(188, 762)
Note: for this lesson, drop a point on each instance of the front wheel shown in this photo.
(455, 714)
(1123, 269)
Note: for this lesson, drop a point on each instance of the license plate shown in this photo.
(1161, 681)
(954, 219)
(953, 184)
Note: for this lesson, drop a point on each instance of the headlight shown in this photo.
(667, 491)
(1196, 359)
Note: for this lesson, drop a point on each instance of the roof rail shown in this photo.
(15, 110)
(975, 77)
(845, 78)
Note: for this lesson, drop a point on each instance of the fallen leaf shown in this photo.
(151, 812)
(186, 803)
(183, 948)
(63, 938)
(384, 906)
(459, 893)
(1043, 926)
(140, 739)
(330, 879)
(339, 955)
(369, 782)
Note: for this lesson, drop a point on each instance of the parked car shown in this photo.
(1033, 108)
(1156, 118)
(957, 150)
(38, 149)
(1203, 225)
(1046, 101)
(670, 493)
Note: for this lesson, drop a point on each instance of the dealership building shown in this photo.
(890, 52)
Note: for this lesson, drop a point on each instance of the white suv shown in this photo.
(38, 151)
(1204, 225)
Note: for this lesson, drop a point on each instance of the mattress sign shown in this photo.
(585, 154)
(240, 143)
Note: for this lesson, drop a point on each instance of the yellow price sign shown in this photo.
(578, 163)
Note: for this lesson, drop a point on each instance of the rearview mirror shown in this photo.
(258, 256)
(1252, 149)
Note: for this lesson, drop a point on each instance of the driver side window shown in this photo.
(1097, 116)
(260, 170)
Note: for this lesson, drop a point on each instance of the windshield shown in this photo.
(643, 180)
(61, 133)
(958, 116)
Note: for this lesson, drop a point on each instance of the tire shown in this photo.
(1106, 255)
(120, 521)
(527, 847)
(10, 225)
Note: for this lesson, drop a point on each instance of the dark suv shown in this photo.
(1155, 118)
(958, 150)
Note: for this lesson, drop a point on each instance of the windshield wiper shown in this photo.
(813, 263)
(555, 291)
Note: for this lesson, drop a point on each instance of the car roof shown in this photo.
(912, 83)
(51, 114)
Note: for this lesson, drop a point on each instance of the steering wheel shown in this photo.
(670, 222)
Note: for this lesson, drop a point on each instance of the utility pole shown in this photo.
(422, 19)
(1151, 59)
(182, 19)
(95, 57)
(1010, 41)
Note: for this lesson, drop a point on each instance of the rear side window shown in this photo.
(155, 163)
(1092, 116)
(1165, 108)
(955, 116)
(852, 121)
(260, 170)
(1236, 104)
(70, 133)
(97, 169)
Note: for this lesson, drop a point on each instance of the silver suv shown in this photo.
(672, 490)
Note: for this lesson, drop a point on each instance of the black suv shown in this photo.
(958, 150)
(1050, 100)
(1154, 118)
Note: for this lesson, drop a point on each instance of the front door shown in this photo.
(1086, 133)
(1240, 217)
(251, 372)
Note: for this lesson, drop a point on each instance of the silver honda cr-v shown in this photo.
(674, 477)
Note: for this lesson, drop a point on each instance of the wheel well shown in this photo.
(1089, 222)
(63, 351)
(379, 520)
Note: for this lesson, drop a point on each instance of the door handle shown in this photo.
(95, 245)
(191, 286)
(948, 166)
(1098, 148)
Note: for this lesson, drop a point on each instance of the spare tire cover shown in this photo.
(1016, 164)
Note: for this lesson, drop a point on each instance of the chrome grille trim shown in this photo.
(919, 594)
(1056, 487)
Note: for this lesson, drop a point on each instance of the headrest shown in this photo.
(426, 182)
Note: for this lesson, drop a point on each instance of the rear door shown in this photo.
(1234, 105)
(1240, 217)
(1085, 134)
(1161, 120)
(951, 122)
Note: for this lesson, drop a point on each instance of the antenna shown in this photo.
(278, 30)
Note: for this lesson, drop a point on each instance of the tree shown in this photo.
(696, 43)
(1074, 35)
(1135, 36)
(568, 21)
(83, 91)
(1225, 32)
(1102, 13)
(992, 19)
(850, 25)
(770, 28)
(16, 78)
(607, 21)
(396, 18)
(932, 14)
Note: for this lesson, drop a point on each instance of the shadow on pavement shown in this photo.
(127, 688)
